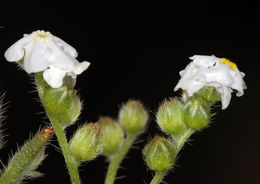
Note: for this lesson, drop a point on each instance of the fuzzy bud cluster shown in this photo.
(175, 116)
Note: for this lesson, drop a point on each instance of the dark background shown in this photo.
(136, 50)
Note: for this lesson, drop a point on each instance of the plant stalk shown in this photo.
(117, 158)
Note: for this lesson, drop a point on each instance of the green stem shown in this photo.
(116, 159)
(71, 163)
(180, 140)
(72, 166)
(158, 177)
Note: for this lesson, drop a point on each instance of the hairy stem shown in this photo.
(71, 163)
(158, 177)
(24, 162)
(72, 166)
(117, 158)
(180, 140)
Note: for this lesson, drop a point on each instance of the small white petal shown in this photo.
(66, 47)
(16, 51)
(35, 58)
(54, 76)
(79, 68)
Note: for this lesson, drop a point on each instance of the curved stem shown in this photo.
(117, 158)
(180, 140)
(71, 164)
(158, 177)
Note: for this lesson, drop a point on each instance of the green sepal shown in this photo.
(61, 104)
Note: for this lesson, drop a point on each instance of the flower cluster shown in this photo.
(212, 71)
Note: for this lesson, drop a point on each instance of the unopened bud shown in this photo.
(197, 113)
(210, 94)
(113, 135)
(170, 117)
(133, 116)
(63, 104)
(86, 143)
(159, 154)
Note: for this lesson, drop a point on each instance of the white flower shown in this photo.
(212, 71)
(42, 51)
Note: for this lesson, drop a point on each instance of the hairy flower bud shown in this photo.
(170, 117)
(159, 154)
(197, 113)
(86, 143)
(210, 94)
(133, 116)
(61, 104)
(113, 135)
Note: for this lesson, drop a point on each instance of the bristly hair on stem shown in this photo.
(2, 117)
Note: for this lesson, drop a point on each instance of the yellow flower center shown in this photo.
(229, 63)
(42, 35)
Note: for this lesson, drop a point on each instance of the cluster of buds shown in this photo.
(107, 135)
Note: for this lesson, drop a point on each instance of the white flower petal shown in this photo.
(79, 68)
(54, 76)
(35, 58)
(16, 51)
(66, 47)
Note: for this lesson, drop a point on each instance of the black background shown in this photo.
(136, 50)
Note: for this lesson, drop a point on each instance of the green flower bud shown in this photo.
(170, 117)
(86, 143)
(133, 116)
(210, 94)
(113, 135)
(62, 104)
(159, 154)
(197, 113)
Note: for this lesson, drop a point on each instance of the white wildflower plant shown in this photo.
(206, 80)
(220, 73)
(42, 51)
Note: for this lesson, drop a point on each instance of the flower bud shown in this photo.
(63, 104)
(133, 116)
(113, 135)
(210, 94)
(170, 117)
(197, 113)
(159, 154)
(86, 143)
